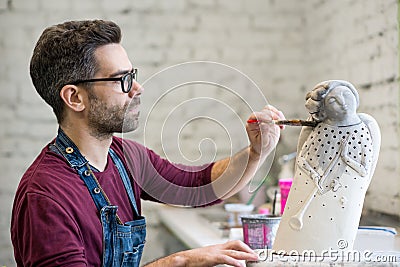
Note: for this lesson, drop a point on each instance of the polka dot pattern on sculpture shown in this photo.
(330, 150)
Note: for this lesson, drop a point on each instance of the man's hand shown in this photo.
(230, 175)
(232, 253)
(264, 135)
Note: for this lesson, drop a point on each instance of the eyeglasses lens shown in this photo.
(127, 82)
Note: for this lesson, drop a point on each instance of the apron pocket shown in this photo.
(132, 258)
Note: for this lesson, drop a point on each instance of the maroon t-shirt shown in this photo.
(55, 221)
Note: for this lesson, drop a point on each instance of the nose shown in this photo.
(136, 90)
(342, 100)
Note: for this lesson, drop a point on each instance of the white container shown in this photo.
(375, 238)
(236, 210)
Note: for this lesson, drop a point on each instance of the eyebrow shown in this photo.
(120, 72)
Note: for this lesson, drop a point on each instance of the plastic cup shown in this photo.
(259, 230)
(284, 185)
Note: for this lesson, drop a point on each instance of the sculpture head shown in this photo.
(334, 102)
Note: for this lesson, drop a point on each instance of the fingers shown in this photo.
(263, 134)
(277, 114)
(240, 255)
(238, 245)
(239, 250)
(270, 112)
(236, 252)
(233, 253)
(267, 114)
(225, 259)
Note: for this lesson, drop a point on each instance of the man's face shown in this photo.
(106, 118)
(340, 103)
(110, 109)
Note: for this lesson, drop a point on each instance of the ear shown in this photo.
(73, 97)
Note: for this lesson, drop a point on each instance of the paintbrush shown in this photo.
(287, 122)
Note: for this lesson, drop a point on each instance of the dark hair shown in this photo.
(64, 53)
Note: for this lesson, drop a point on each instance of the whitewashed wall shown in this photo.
(359, 43)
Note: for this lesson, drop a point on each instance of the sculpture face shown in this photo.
(339, 104)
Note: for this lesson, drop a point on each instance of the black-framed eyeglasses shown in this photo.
(126, 80)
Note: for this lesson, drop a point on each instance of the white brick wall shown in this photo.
(360, 44)
(286, 47)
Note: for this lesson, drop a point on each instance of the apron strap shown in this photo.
(76, 160)
(66, 147)
(94, 188)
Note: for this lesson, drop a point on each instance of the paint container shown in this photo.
(259, 230)
(284, 186)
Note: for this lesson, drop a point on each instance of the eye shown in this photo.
(331, 100)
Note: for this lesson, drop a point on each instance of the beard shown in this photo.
(105, 120)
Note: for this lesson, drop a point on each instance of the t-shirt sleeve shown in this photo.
(166, 182)
(47, 235)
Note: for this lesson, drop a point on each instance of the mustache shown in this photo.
(132, 104)
(135, 101)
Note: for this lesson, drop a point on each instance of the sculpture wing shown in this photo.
(375, 132)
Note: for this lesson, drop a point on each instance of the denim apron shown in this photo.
(122, 242)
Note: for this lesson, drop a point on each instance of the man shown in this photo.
(65, 208)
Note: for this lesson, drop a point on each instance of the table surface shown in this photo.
(195, 230)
